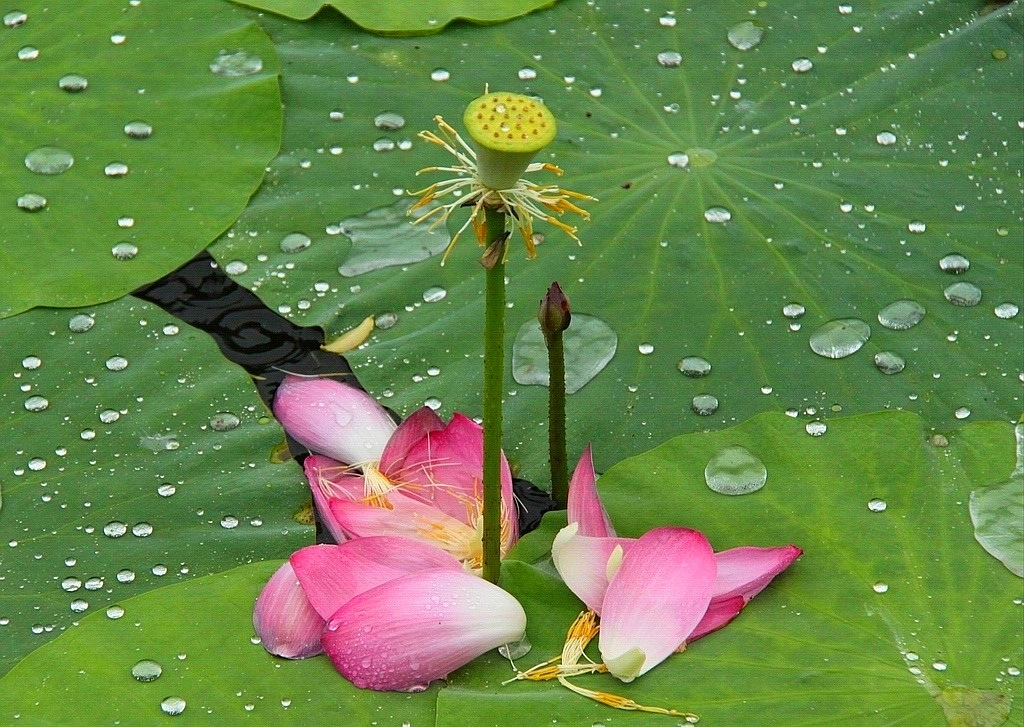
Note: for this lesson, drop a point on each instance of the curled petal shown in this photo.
(416, 426)
(720, 612)
(656, 599)
(746, 571)
(331, 575)
(584, 505)
(583, 563)
(329, 479)
(414, 629)
(284, 620)
(333, 418)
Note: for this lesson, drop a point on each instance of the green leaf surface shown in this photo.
(821, 645)
(405, 18)
(156, 200)
(136, 428)
(822, 214)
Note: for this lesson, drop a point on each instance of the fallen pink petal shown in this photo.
(285, 621)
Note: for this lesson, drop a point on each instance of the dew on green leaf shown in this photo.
(526, 73)
(717, 214)
(1006, 310)
(679, 159)
(388, 121)
(138, 129)
(80, 323)
(385, 320)
(236, 267)
(49, 160)
(889, 363)
(885, 138)
(735, 470)
(516, 649)
(802, 65)
(588, 343)
(173, 705)
(877, 505)
(916, 226)
(224, 421)
(840, 338)
(704, 405)
(115, 612)
(901, 315)
(383, 238)
(237, 63)
(694, 366)
(31, 363)
(745, 35)
(28, 53)
(816, 429)
(116, 363)
(440, 75)
(73, 83)
(14, 18)
(31, 202)
(295, 241)
(115, 529)
(963, 294)
(36, 403)
(670, 59)
(434, 294)
(954, 264)
(115, 169)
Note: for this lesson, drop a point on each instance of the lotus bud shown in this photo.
(554, 314)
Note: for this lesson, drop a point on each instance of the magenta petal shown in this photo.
(284, 619)
(414, 629)
(416, 426)
(584, 504)
(720, 612)
(746, 571)
(582, 562)
(655, 601)
(331, 575)
(333, 418)
(328, 480)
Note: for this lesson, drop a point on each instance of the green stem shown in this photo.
(494, 383)
(556, 421)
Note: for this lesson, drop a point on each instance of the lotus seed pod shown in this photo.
(507, 129)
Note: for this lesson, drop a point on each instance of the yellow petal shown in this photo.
(352, 338)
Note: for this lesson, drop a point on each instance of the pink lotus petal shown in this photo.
(284, 619)
(330, 479)
(720, 612)
(333, 418)
(414, 629)
(584, 504)
(658, 597)
(746, 571)
(409, 518)
(331, 575)
(582, 562)
(416, 426)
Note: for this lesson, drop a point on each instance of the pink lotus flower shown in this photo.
(391, 613)
(658, 592)
(422, 480)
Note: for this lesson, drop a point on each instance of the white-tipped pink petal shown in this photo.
(656, 599)
(720, 612)
(405, 633)
(746, 571)
(284, 620)
(331, 575)
(583, 563)
(333, 418)
(417, 425)
(584, 506)
(328, 480)
(408, 518)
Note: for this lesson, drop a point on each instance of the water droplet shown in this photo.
(125, 221)
(954, 264)
(1006, 310)
(73, 83)
(939, 665)
(679, 159)
(645, 348)
(845, 9)
(115, 529)
(916, 226)
(224, 421)
(138, 130)
(15, 18)
(384, 321)
(170, 330)
(31, 202)
(31, 362)
(962, 412)
(434, 294)
(142, 530)
(79, 605)
(670, 59)
(389, 121)
(735, 471)
(840, 338)
(28, 53)
(440, 74)
(115, 612)
(159, 569)
(704, 405)
(295, 241)
(125, 575)
(816, 429)
(885, 138)
(71, 584)
(880, 587)
(116, 363)
(36, 464)
(877, 505)
(963, 294)
(238, 63)
(36, 403)
(81, 323)
(166, 489)
(49, 160)
(745, 35)
(87, 435)
(901, 315)
(236, 267)
(694, 367)
(802, 65)
(589, 344)
(173, 705)
(109, 416)
(793, 310)
(383, 144)
(116, 169)
(158, 443)
(118, 38)
(667, 21)
(516, 649)
(889, 362)
(527, 74)
(717, 214)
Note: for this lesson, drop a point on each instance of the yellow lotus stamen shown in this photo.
(613, 700)
(352, 338)
(376, 486)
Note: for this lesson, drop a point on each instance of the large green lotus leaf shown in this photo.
(404, 18)
(164, 152)
(133, 456)
(786, 152)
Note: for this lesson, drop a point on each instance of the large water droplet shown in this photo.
(901, 315)
(238, 63)
(116, 169)
(802, 65)
(15, 18)
(115, 529)
(963, 294)
(295, 241)
(383, 238)
(28, 53)
(49, 160)
(877, 505)
(717, 214)
(793, 310)
(694, 367)
(679, 159)
(889, 362)
(589, 344)
(73, 83)
(36, 403)
(1006, 310)
(439, 75)
(434, 294)
(745, 35)
(124, 250)
(704, 405)
(954, 263)
(526, 73)
(81, 323)
(389, 121)
(224, 421)
(173, 705)
(735, 471)
(31, 202)
(840, 338)
(885, 138)
(516, 649)
(138, 130)
(670, 59)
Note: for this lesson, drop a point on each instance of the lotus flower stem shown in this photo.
(494, 381)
